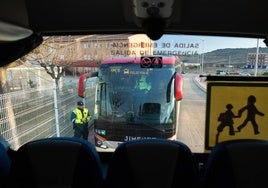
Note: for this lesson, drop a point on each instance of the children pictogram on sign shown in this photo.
(252, 111)
(226, 119)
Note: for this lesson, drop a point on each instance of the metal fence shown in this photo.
(29, 114)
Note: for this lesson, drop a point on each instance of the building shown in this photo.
(262, 60)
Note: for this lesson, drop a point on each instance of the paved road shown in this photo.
(192, 115)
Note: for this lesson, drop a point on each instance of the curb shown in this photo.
(201, 84)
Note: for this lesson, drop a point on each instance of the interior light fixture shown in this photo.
(10, 32)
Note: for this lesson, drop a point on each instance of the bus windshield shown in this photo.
(128, 98)
(133, 102)
(137, 95)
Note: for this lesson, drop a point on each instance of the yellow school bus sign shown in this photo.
(237, 108)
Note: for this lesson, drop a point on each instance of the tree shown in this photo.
(54, 55)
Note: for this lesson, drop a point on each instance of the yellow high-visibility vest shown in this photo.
(79, 115)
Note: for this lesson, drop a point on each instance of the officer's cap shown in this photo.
(80, 103)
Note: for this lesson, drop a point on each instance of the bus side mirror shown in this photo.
(178, 86)
(81, 85)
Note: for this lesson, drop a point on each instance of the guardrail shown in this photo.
(201, 83)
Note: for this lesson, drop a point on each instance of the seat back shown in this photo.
(152, 163)
(4, 166)
(238, 164)
(57, 162)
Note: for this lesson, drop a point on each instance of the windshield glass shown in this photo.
(130, 85)
(136, 101)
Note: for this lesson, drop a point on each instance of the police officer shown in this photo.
(80, 118)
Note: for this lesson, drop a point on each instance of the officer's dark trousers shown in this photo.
(81, 131)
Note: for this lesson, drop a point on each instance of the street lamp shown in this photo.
(257, 59)
(202, 57)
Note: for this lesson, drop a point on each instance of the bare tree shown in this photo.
(54, 55)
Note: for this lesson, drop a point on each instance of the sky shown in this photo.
(207, 44)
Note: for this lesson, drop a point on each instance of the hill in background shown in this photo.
(221, 57)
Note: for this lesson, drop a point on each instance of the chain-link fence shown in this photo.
(29, 114)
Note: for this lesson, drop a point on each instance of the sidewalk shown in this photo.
(201, 83)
